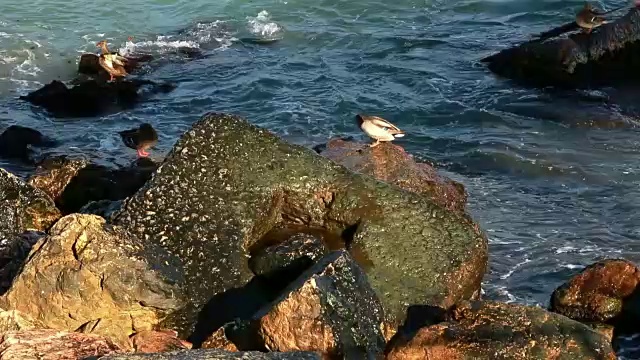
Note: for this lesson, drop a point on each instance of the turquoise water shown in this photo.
(553, 176)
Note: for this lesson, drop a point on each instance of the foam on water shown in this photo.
(262, 26)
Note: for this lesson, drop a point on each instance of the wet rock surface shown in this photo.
(330, 309)
(286, 261)
(390, 163)
(23, 207)
(53, 345)
(89, 277)
(153, 341)
(492, 330)
(604, 291)
(603, 57)
(211, 354)
(18, 142)
(226, 183)
(91, 97)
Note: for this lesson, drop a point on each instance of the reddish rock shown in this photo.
(219, 340)
(53, 174)
(50, 344)
(599, 292)
(150, 341)
(390, 163)
(491, 330)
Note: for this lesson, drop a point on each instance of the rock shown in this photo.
(603, 57)
(492, 330)
(96, 182)
(23, 207)
(158, 341)
(219, 340)
(17, 142)
(91, 98)
(50, 344)
(605, 330)
(94, 278)
(226, 183)
(13, 253)
(213, 354)
(15, 321)
(599, 292)
(102, 208)
(330, 309)
(286, 261)
(53, 174)
(391, 164)
(90, 65)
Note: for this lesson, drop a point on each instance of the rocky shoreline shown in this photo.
(242, 246)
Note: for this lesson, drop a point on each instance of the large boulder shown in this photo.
(89, 277)
(602, 292)
(605, 56)
(48, 344)
(210, 354)
(330, 309)
(226, 183)
(91, 97)
(391, 164)
(23, 207)
(492, 330)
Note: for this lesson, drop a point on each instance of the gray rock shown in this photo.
(213, 354)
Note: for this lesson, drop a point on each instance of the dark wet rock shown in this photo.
(89, 64)
(219, 340)
(213, 354)
(601, 292)
(152, 341)
(13, 253)
(102, 208)
(47, 344)
(23, 207)
(606, 56)
(491, 330)
(286, 261)
(96, 182)
(330, 309)
(53, 174)
(89, 277)
(227, 183)
(91, 98)
(17, 142)
(391, 164)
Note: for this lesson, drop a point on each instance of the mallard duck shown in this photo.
(140, 139)
(589, 18)
(378, 129)
(113, 63)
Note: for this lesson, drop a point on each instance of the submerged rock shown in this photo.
(89, 277)
(23, 207)
(330, 309)
(391, 164)
(91, 98)
(601, 292)
(606, 56)
(226, 183)
(17, 142)
(491, 330)
(211, 354)
(51, 344)
(150, 341)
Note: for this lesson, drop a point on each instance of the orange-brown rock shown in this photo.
(329, 309)
(53, 174)
(216, 354)
(47, 344)
(155, 341)
(491, 330)
(90, 277)
(599, 292)
(219, 340)
(390, 163)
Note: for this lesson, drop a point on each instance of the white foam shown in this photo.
(263, 26)
(516, 267)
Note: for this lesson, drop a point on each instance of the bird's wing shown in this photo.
(378, 121)
(106, 62)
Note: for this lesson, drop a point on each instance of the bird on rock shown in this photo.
(378, 129)
(112, 63)
(140, 139)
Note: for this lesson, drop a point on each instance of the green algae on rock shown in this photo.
(226, 183)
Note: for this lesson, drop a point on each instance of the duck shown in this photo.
(140, 139)
(378, 129)
(589, 18)
(113, 63)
